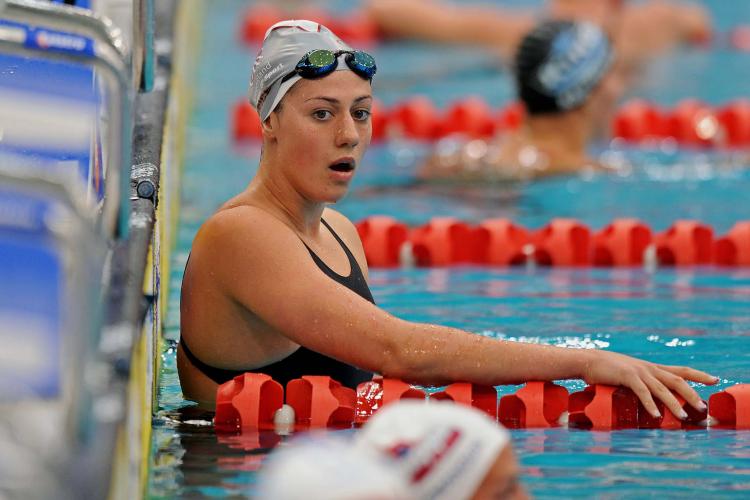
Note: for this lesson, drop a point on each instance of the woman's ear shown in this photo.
(270, 125)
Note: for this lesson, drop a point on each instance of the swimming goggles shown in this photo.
(321, 62)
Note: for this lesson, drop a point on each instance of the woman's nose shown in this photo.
(347, 133)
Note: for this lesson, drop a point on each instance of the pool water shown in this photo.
(696, 316)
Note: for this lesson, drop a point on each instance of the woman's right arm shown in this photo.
(264, 266)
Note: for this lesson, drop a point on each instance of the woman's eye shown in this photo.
(361, 114)
(322, 114)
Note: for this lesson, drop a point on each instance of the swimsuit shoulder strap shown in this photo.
(341, 242)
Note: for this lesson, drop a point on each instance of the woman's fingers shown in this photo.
(638, 386)
(662, 392)
(690, 374)
(649, 381)
(678, 385)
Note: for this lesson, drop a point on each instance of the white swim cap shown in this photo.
(285, 43)
(329, 467)
(444, 449)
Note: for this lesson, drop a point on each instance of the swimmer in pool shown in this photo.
(640, 30)
(447, 451)
(410, 449)
(277, 280)
(564, 80)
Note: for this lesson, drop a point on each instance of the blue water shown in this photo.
(698, 317)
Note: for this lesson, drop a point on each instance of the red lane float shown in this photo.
(500, 242)
(638, 120)
(667, 420)
(621, 243)
(471, 116)
(563, 242)
(354, 28)
(249, 401)
(376, 393)
(510, 117)
(245, 122)
(358, 27)
(379, 117)
(482, 397)
(320, 401)
(603, 407)
(446, 241)
(415, 118)
(257, 21)
(690, 123)
(382, 238)
(685, 243)
(693, 123)
(536, 405)
(443, 241)
(731, 407)
(734, 118)
(733, 249)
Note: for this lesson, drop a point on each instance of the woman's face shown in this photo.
(322, 130)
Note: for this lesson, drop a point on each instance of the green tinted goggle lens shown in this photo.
(321, 58)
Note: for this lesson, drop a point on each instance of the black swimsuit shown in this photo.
(303, 361)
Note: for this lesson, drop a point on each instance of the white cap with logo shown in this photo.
(444, 448)
(284, 45)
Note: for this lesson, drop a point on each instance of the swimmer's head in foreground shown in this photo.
(408, 450)
(447, 451)
(328, 466)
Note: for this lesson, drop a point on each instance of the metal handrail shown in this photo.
(107, 57)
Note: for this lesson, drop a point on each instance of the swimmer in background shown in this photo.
(565, 82)
(639, 30)
(276, 281)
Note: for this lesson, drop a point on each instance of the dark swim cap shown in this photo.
(559, 63)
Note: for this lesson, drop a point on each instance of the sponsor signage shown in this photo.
(46, 39)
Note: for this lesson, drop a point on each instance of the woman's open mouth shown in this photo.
(343, 166)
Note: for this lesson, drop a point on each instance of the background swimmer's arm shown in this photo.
(440, 22)
(263, 265)
(475, 160)
(442, 162)
(652, 28)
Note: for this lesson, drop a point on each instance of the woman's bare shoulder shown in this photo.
(344, 227)
(339, 221)
(239, 226)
